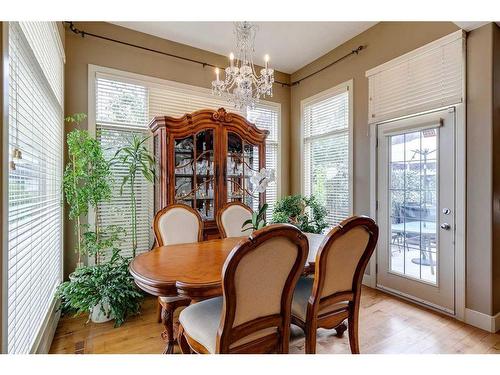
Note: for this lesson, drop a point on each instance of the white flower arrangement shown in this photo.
(261, 179)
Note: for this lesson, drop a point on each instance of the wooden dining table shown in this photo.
(194, 270)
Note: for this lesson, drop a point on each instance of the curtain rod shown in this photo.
(83, 33)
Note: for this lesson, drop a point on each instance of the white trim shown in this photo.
(372, 265)
(5, 183)
(484, 321)
(413, 299)
(338, 89)
(148, 81)
(417, 52)
(460, 202)
(460, 210)
(43, 341)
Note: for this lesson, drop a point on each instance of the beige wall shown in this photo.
(384, 41)
(388, 40)
(83, 51)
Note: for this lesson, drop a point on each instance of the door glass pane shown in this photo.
(413, 204)
(242, 162)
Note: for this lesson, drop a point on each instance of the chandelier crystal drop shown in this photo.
(241, 84)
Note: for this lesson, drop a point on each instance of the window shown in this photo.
(427, 78)
(268, 117)
(35, 211)
(126, 102)
(327, 165)
(121, 112)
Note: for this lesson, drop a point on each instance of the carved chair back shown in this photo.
(230, 219)
(259, 277)
(177, 223)
(341, 262)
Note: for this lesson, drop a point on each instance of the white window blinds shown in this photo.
(121, 112)
(177, 101)
(326, 135)
(35, 96)
(427, 78)
(267, 118)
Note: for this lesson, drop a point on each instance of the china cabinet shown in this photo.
(206, 159)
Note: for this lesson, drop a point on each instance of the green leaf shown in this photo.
(246, 222)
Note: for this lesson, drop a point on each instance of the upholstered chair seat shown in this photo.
(230, 220)
(253, 315)
(202, 320)
(301, 298)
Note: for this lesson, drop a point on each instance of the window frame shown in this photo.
(341, 88)
(148, 81)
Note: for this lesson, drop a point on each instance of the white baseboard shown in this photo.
(45, 336)
(484, 321)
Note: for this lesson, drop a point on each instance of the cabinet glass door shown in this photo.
(194, 172)
(242, 162)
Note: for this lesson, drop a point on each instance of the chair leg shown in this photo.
(352, 325)
(181, 339)
(310, 332)
(158, 312)
(340, 329)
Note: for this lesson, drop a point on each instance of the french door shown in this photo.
(416, 208)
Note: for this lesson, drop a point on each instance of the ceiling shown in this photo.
(290, 45)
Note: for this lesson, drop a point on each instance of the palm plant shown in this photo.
(137, 159)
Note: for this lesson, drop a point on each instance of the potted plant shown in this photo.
(137, 159)
(307, 214)
(106, 291)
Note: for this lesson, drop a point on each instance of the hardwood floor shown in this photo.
(387, 325)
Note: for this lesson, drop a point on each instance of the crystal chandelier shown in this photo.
(241, 85)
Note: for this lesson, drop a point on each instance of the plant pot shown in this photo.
(97, 315)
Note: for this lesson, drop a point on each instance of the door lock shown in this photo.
(446, 211)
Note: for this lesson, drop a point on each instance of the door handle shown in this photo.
(445, 226)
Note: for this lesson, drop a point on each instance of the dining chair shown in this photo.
(174, 224)
(334, 293)
(253, 314)
(230, 219)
